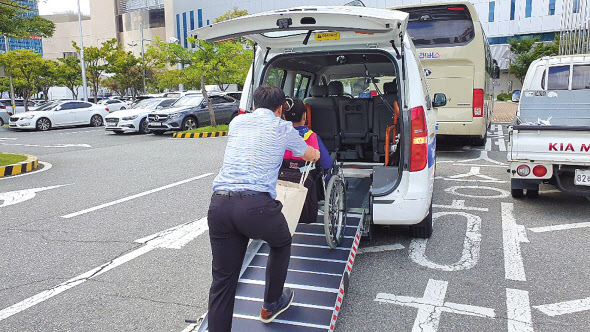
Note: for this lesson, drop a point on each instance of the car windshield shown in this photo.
(193, 100)
(147, 104)
(47, 107)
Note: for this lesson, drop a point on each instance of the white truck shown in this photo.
(550, 137)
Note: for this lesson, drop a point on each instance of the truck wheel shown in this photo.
(517, 193)
(532, 193)
(423, 229)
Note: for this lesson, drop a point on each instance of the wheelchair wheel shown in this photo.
(335, 211)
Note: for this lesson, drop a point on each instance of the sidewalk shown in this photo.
(504, 111)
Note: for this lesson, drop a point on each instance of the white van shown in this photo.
(351, 65)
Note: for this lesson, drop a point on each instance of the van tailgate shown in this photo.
(456, 82)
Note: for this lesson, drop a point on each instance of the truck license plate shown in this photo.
(582, 177)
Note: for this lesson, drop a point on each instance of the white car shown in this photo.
(114, 105)
(60, 114)
(135, 118)
(335, 54)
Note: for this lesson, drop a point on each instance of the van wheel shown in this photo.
(517, 193)
(530, 193)
(423, 230)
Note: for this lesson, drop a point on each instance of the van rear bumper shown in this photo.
(400, 212)
(476, 127)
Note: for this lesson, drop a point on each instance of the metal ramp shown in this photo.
(318, 275)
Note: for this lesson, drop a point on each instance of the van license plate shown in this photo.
(582, 177)
(327, 36)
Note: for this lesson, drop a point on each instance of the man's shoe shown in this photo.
(269, 313)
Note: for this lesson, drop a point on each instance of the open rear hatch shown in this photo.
(311, 27)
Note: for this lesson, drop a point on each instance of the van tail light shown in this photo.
(477, 103)
(540, 171)
(241, 111)
(523, 170)
(419, 149)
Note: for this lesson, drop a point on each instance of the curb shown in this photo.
(200, 135)
(23, 167)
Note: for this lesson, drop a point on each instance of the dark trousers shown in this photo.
(232, 221)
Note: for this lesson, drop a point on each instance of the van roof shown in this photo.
(467, 4)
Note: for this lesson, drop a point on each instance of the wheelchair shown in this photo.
(330, 188)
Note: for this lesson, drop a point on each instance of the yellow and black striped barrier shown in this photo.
(28, 165)
(200, 135)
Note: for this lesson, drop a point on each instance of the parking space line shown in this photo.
(559, 227)
(122, 200)
(562, 308)
(512, 235)
(519, 311)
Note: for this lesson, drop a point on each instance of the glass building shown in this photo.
(34, 43)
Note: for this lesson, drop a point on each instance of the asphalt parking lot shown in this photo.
(110, 235)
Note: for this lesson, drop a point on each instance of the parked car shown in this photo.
(178, 94)
(328, 55)
(550, 137)
(114, 104)
(191, 111)
(18, 103)
(60, 114)
(4, 115)
(135, 118)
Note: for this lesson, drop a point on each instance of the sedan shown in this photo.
(4, 115)
(191, 111)
(60, 114)
(114, 104)
(135, 118)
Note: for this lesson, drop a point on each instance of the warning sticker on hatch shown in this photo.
(327, 36)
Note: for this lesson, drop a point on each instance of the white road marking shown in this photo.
(563, 308)
(48, 146)
(19, 196)
(559, 227)
(500, 142)
(482, 156)
(512, 234)
(488, 146)
(474, 172)
(388, 247)
(46, 167)
(519, 311)
(102, 206)
(459, 204)
(454, 190)
(8, 138)
(471, 245)
(432, 305)
(174, 237)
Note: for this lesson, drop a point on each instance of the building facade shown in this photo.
(34, 43)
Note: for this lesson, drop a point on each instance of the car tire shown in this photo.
(143, 126)
(530, 193)
(96, 120)
(43, 124)
(158, 132)
(190, 123)
(517, 193)
(423, 230)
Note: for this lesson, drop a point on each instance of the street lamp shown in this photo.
(82, 62)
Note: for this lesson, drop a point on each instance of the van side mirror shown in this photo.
(440, 100)
(496, 71)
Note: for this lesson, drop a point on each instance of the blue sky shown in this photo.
(57, 6)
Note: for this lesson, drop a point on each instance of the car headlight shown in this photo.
(27, 117)
(175, 115)
(127, 118)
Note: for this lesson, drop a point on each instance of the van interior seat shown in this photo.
(354, 121)
(383, 117)
(324, 116)
(336, 91)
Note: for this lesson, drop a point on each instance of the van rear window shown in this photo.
(558, 78)
(440, 25)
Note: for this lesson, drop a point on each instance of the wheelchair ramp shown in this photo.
(318, 275)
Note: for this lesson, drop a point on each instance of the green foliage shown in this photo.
(96, 60)
(14, 24)
(504, 97)
(527, 50)
(48, 78)
(69, 74)
(208, 129)
(28, 70)
(230, 15)
(10, 158)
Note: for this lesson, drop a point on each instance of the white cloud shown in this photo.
(47, 7)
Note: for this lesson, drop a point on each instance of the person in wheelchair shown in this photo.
(295, 111)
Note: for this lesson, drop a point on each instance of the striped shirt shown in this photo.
(255, 147)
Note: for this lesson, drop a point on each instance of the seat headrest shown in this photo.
(319, 91)
(335, 88)
(390, 87)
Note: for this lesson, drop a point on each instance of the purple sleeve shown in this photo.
(325, 158)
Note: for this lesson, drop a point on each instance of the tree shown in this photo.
(27, 69)
(96, 59)
(69, 74)
(527, 50)
(13, 22)
(48, 78)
